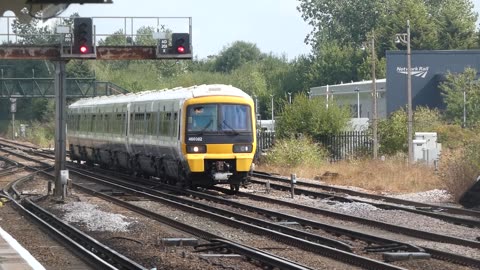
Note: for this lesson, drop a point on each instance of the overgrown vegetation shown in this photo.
(293, 152)
(311, 117)
(460, 168)
(392, 175)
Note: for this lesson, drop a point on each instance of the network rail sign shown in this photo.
(428, 72)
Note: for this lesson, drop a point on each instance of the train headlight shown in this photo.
(242, 148)
(196, 149)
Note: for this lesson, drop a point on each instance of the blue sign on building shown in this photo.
(428, 72)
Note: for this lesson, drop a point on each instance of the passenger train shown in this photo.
(196, 136)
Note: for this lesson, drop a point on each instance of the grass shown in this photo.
(392, 175)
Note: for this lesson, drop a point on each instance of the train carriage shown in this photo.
(197, 136)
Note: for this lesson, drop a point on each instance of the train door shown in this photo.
(176, 126)
(127, 128)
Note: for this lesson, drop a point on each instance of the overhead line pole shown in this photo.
(60, 123)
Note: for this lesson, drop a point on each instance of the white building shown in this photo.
(357, 95)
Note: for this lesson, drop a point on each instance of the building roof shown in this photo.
(348, 88)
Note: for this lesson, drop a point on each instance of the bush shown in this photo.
(454, 136)
(311, 117)
(41, 134)
(459, 168)
(393, 131)
(294, 152)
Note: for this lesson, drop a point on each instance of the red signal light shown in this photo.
(181, 49)
(83, 49)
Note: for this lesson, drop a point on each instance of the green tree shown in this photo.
(239, 53)
(334, 63)
(144, 36)
(423, 27)
(311, 117)
(300, 76)
(345, 21)
(453, 90)
(118, 38)
(456, 22)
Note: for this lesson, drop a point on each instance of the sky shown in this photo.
(274, 25)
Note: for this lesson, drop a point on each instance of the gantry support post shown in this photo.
(60, 125)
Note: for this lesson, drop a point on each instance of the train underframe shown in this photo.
(169, 169)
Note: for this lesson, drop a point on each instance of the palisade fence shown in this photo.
(265, 140)
(341, 146)
(347, 145)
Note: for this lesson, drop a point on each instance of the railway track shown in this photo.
(96, 255)
(103, 257)
(469, 218)
(435, 253)
(287, 236)
(380, 242)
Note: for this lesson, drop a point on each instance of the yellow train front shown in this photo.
(219, 138)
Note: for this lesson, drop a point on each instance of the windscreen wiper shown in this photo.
(233, 130)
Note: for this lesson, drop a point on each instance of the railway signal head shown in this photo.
(82, 36)
(180, 43)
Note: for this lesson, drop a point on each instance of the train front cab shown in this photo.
(219, 142)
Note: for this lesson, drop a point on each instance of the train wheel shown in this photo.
(163, 175)
(234, 188)
(183, 181)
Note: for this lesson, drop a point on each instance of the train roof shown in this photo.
(178, 93)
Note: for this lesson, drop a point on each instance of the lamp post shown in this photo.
(405, 39)
(358, 101)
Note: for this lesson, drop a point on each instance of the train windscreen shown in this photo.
(219, 118)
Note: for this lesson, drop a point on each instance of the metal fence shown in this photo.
(265, 140)
(341, 146)
(346, 145)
